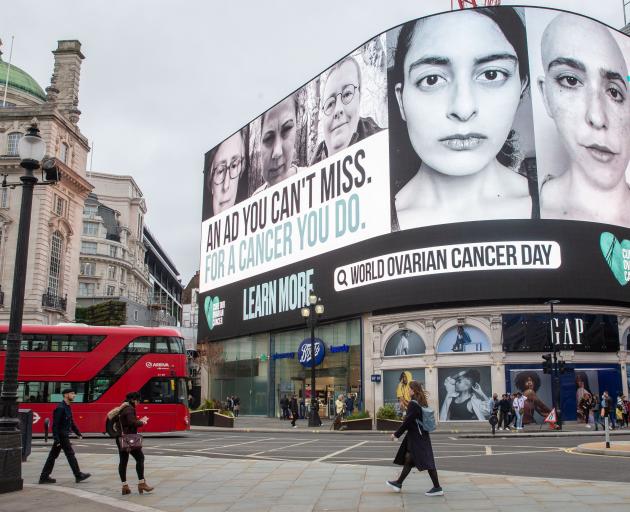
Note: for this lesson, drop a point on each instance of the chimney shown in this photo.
(65, 80)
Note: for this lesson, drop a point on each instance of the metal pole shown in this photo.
(557, 391)
(607, 432)
(314, 420)
(10, 438)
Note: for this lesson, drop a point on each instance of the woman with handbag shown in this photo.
(415, 449)
(130, 443)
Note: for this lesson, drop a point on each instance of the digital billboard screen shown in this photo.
(468, 156)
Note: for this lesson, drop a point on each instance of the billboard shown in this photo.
(467, 156)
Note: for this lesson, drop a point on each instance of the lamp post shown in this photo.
(311, 313)
(31, 150)
(555, 367)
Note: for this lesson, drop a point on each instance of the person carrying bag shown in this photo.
(130, 443)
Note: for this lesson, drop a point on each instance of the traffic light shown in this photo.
(562, 366)
(547, 364)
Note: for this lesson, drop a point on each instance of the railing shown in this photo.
(53, 301)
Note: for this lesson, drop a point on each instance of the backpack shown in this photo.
(428, 419)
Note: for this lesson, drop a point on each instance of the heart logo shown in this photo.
(208, 307)
(617, 255)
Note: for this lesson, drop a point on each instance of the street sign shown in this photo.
(376, 377)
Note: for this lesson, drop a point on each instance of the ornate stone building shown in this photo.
(53, 261)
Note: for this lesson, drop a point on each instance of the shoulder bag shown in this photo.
(129, 442)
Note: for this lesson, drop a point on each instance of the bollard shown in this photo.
(607, 432)
(46, 425)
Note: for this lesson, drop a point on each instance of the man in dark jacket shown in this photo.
(505, 406)
(293, 407)
(63, 424)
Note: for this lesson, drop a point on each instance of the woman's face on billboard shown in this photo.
(278, 141)
(586, 93)
(226, 171)
(460, 93)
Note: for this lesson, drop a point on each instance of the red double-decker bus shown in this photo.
(102, 364)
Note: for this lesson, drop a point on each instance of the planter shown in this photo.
(221, 420)
(362, 424)
(203, 418)
(388, 425)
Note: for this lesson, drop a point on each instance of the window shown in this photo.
(54, 270)
(122, 275)
(63, 155)
(135, 315)
(164, 391)
(13, 140)
(86, 289)
(111, 291)
(88, 247)
(4, 198)
(60, 206)
(69, 343)
(90, 211)
(139, 226)
(113, 251)
(161, 345)
(90, 228)
(140, 345)
(87, 269)
(111, 272)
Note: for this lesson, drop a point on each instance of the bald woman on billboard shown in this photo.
(585, 92)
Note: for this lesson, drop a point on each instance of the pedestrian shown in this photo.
(228, 403)
(494, 411)
(415, 449)
(504, 412)
(340, 409)
(598, 411)
(302, 408)
(349, 404)
(63, 424)
(284, 406)
(619, 410)
(236, 401)
(129, 423)
(293, 407)
(519, 408)
(626, 410)
(609, 409)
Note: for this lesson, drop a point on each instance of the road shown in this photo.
(537, 457)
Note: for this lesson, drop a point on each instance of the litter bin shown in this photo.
(26, 429)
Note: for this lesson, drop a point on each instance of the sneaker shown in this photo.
(500, 428)
(47, 480)
(435, 491)
(294, 426)
(82, 476)
(394, 485)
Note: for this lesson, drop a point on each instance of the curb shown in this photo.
(602, 451)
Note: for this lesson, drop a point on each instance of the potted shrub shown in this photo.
(224, 418)
(387, 419)
(358, 421)
(203, 416)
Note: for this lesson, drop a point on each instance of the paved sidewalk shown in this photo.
(463, 429)
(617, 448)
(196, 484)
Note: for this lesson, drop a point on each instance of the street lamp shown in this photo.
(31, 150)
(311, 313)
(555, 366)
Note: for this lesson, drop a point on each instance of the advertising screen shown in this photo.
(468, 156)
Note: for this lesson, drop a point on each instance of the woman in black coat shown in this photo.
(415, 449)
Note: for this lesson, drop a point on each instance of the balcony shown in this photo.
(51, 300)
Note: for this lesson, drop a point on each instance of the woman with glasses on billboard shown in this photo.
(226, 173)
(459, 79)
(341, 103)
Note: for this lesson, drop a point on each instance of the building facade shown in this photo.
(55, 234)
(406, 227)
(113, 264)
(165, 294)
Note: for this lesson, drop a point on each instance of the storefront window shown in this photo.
(239, 367)
(340, 371)
(463, 338)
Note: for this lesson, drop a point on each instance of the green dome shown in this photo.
(21, 80)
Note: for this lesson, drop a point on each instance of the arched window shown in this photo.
(13, 139)
(63, 155)
(54, 271)
(463, 338)
(404, 343)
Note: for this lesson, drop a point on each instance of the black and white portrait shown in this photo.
(582, 117)
(461, 131)
(349, 101)
(464, 393)
(404, 343)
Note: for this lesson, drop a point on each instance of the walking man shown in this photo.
(504, 412)
(293, 407)
(63, 424)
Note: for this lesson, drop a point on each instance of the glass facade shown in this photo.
(260, 369)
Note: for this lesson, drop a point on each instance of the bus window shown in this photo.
(161, 345)
(55, 389)
(79, 343)
(182, 391)
(33, 392)
(177, 345)
(140, 345)
(35, 342)
(61, 343)
(160, 391)
(3, 345)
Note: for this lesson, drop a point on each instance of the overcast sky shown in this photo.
(164, 81)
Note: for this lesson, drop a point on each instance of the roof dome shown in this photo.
(20, 80)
